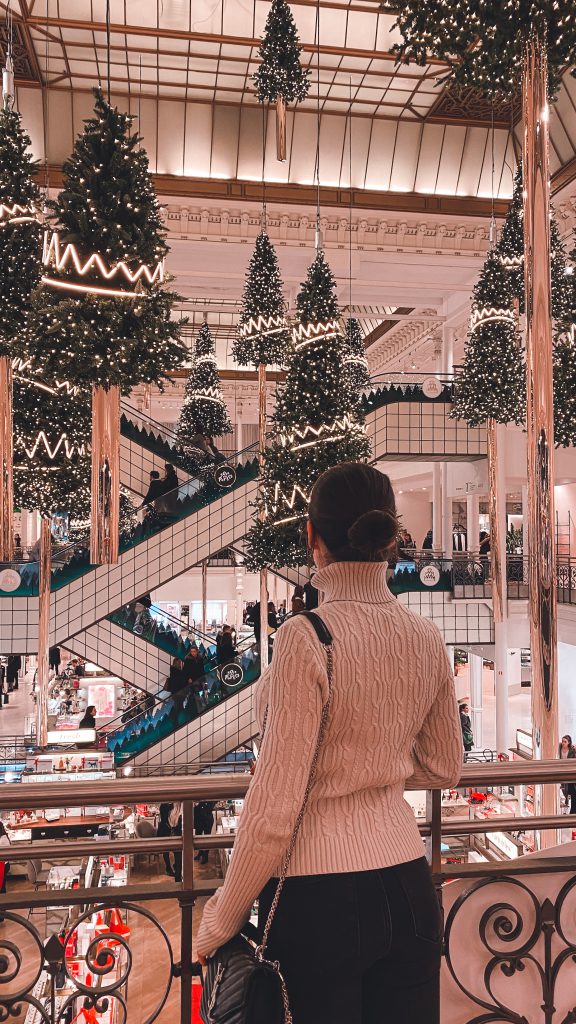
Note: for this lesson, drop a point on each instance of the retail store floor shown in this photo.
(15, 717)
(519, 712)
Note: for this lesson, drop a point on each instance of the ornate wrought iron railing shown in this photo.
(519, 913)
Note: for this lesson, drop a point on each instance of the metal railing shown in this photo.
(519, 939)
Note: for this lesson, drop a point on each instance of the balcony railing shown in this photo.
(519, 913)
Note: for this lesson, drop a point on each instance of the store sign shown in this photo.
(231, 674)
(430, 575)
(432, 387)
(225, 476)
(504, 844)
(66, 736)
(9, 580)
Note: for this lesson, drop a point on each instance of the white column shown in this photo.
(239, 428)
(501, 628)
(525, 520)
(239, 593)
(447, 350)
(476, 662)
(447, 518)
(472, 524)
(437, 507)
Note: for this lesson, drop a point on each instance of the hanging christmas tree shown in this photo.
(355, 359)
(20, 267)
(103, 316)
(51, 447)
(317, 424)
(280, 78)
(492, 383)
(204, 410)
(263, 336)
(565, 386)
(20, 231)
(482, 42)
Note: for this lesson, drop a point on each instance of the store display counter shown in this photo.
(31, 828)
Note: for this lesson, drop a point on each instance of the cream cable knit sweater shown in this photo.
(393, 725)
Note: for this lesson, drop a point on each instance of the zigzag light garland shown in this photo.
(17, 214)
(331, 432)
(70, 259)
(41, 439)
(20, 365)
(491, 315)
(262, 326)
(511, 262)
(281, 498)
(305, 334)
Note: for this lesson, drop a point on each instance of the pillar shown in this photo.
(239, 593)
(447, 517)
(501, 627)
(437, 507)
(447, 350)
(472, 524)
(476, 664)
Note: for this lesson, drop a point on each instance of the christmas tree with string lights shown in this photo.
(492, 383)
(355, 358)
(483, 42)
(51, 447)
(20, 231)
(204, 410)
(317, 423)
(103, 315)
(280, 73)
(262, 333)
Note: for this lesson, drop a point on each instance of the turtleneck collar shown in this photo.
(354, 581)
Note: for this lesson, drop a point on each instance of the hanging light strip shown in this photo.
(89, 289)
(262, 326)
(339, 425)
(305, 334)
(357, 359)
(511, 262)
(491, 315)
(17, 214)
(297, 492)
(51, 451)
(70, 259)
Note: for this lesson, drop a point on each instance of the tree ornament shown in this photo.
(204, 410)
(317, 423)
(280, 78)
(102, 318)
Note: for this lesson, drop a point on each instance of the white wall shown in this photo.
(415, 508)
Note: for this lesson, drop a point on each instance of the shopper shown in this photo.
(568, 750)
(225, 647)
(155, 490)
(13, 668)
(4, 864)
(165, 829)
(89, 720)
(167, 504)
(203, 825)
(175, 819)
(215, 454)
(427, 542)
(466, 727)
(54, 659)
(194, 667)
(177, 679)
(357, 932)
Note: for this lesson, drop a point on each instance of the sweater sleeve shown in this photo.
(297, 686)
(437, 750)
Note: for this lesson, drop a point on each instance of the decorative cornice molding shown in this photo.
(431, 236)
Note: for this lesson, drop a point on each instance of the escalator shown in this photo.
(139, 645)
(204, 718)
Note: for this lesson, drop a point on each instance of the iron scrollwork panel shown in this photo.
(518, 934)
(108, 963)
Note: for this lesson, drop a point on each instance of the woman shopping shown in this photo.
(357, 929)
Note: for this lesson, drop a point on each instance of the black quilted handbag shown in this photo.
(240, 985)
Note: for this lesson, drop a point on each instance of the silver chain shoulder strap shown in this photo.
(311, 778)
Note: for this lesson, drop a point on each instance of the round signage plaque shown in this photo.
(432, 387)
(430, 575)
(9, 580)
(225, 476)
(231, 674)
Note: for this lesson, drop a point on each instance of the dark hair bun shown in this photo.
(373, 532)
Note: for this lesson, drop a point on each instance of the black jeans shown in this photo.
(359, 948)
